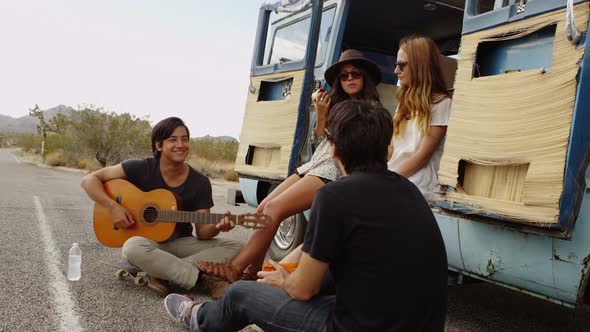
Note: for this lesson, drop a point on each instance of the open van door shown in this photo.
(516, 117)
(514, 206)
(276, 118)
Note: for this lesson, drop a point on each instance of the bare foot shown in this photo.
(222, 270)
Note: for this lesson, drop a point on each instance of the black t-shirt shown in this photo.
(385, 251)
(195, 192)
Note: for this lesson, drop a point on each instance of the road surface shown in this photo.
(44, 210)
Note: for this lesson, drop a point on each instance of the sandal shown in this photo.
(222, 270)
(157, 285)
(250, 273)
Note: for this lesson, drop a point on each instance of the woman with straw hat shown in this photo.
(352, 77)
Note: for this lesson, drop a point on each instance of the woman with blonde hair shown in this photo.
(420, 121)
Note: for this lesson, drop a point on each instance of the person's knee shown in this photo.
(274, 211)
(134, 247)
(239, 291)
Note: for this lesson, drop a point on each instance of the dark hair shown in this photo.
(369, 91)
(361, 132)
(164, 129)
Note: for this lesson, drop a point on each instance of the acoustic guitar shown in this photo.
(155, 214)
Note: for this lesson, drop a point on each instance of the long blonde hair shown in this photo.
(426, 86)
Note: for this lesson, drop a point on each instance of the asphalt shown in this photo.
(35, 299)
(44, 210)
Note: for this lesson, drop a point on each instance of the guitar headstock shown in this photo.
(253, 220)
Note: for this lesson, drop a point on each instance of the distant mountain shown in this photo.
(217, 138)
(28, 124)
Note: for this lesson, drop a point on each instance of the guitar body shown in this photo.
(136, 201)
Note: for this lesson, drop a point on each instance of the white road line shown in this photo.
(69, 320)
(16, 158)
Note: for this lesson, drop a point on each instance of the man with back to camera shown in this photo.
(173, 260)
(371, 230)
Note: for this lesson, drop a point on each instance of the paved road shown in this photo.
(43, 211)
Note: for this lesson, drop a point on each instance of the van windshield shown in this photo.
(290, 39)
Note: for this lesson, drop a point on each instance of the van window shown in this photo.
(290, 40)
(484, 6)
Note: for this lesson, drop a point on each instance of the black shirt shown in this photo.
(385, 251)
(195, 192)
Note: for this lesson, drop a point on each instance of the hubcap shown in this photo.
(286, 233)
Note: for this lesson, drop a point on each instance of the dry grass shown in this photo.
(211, 168)
(88, 164)
(215, 159)
(55, 158)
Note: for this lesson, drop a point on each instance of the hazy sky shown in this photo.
(188, 58)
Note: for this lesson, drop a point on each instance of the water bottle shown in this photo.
(74, 263)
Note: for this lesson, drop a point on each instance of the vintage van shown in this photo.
(514, 199)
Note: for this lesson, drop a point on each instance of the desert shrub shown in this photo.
(109, 137)
(28, 142)
(8, 140)
(55, 158)
(82, 163)
(91, 138)
(214, 149)
(88, 164)
(214, 157)
(211, 168)
(55, 142)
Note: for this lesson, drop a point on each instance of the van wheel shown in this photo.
(288, 237)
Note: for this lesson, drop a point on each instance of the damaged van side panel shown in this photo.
(555, 268)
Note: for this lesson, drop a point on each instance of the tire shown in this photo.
(289, 236)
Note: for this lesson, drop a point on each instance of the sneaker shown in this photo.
(157, 285)
(180, 308)
(214, 285)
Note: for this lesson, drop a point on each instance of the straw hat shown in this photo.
(357, 59)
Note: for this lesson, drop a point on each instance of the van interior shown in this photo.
(376, 27)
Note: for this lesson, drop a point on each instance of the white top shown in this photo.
(407, 143)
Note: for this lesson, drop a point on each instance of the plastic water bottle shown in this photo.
(74, 262)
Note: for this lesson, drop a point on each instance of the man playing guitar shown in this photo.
(172, 260)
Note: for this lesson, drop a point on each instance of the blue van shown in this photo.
(521, 65)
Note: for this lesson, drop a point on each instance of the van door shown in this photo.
(281, 83)
(517, 147)
(508, 141)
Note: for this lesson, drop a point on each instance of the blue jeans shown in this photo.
(250, 302)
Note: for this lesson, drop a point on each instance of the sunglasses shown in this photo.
(355, 75)
(400, 64)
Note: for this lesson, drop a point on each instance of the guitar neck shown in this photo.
(193, 217)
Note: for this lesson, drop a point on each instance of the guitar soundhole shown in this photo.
(150, 214)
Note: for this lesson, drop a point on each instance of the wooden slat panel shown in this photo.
(270, 124)
(515, 118)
